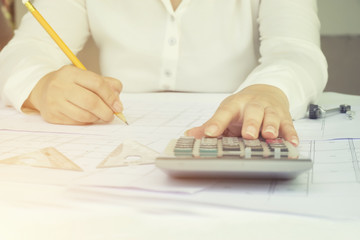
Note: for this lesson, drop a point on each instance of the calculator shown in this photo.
(232, 157)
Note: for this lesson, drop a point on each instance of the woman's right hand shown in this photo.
(74, 96)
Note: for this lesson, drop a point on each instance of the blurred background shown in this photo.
(7, 21)
(340, 40)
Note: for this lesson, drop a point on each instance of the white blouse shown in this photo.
(203, 46)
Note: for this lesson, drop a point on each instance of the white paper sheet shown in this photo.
(154, 120)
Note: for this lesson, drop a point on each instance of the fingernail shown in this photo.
(270, 129)
(211, 130)
(117, 107)
(294, 141)
(251, 131)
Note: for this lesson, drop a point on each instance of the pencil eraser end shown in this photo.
(25, 1)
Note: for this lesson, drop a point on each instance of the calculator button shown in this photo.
(277, 147)
(208, 147)
(230, 143)
(184, 146)
(253, 148)
(231, 146)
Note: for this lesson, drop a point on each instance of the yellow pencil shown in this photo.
(60, 43)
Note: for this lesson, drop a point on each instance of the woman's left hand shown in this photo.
(257, 109)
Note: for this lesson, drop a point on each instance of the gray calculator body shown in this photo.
(232, 157)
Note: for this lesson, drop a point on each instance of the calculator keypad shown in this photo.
(234, 147)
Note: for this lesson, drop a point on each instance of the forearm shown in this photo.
(291, 58)
(31, 54)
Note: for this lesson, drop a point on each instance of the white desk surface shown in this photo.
(60, 209)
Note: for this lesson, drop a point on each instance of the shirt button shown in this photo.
(172, 41)
(168, 73)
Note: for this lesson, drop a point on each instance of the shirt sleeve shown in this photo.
(31, 53)
(290, 54)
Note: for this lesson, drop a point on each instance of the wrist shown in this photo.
(31, 104)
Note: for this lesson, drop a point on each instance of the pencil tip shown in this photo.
(121, 117)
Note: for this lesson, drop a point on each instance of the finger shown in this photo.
(288, 132)
(253, 118)
(63, 120)
(197, 132)
(77, 114)
(117, 87)
(271, 124)
(114, 83)
(69, 115)
(221, 119)
(90, 102)
(102, 88)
